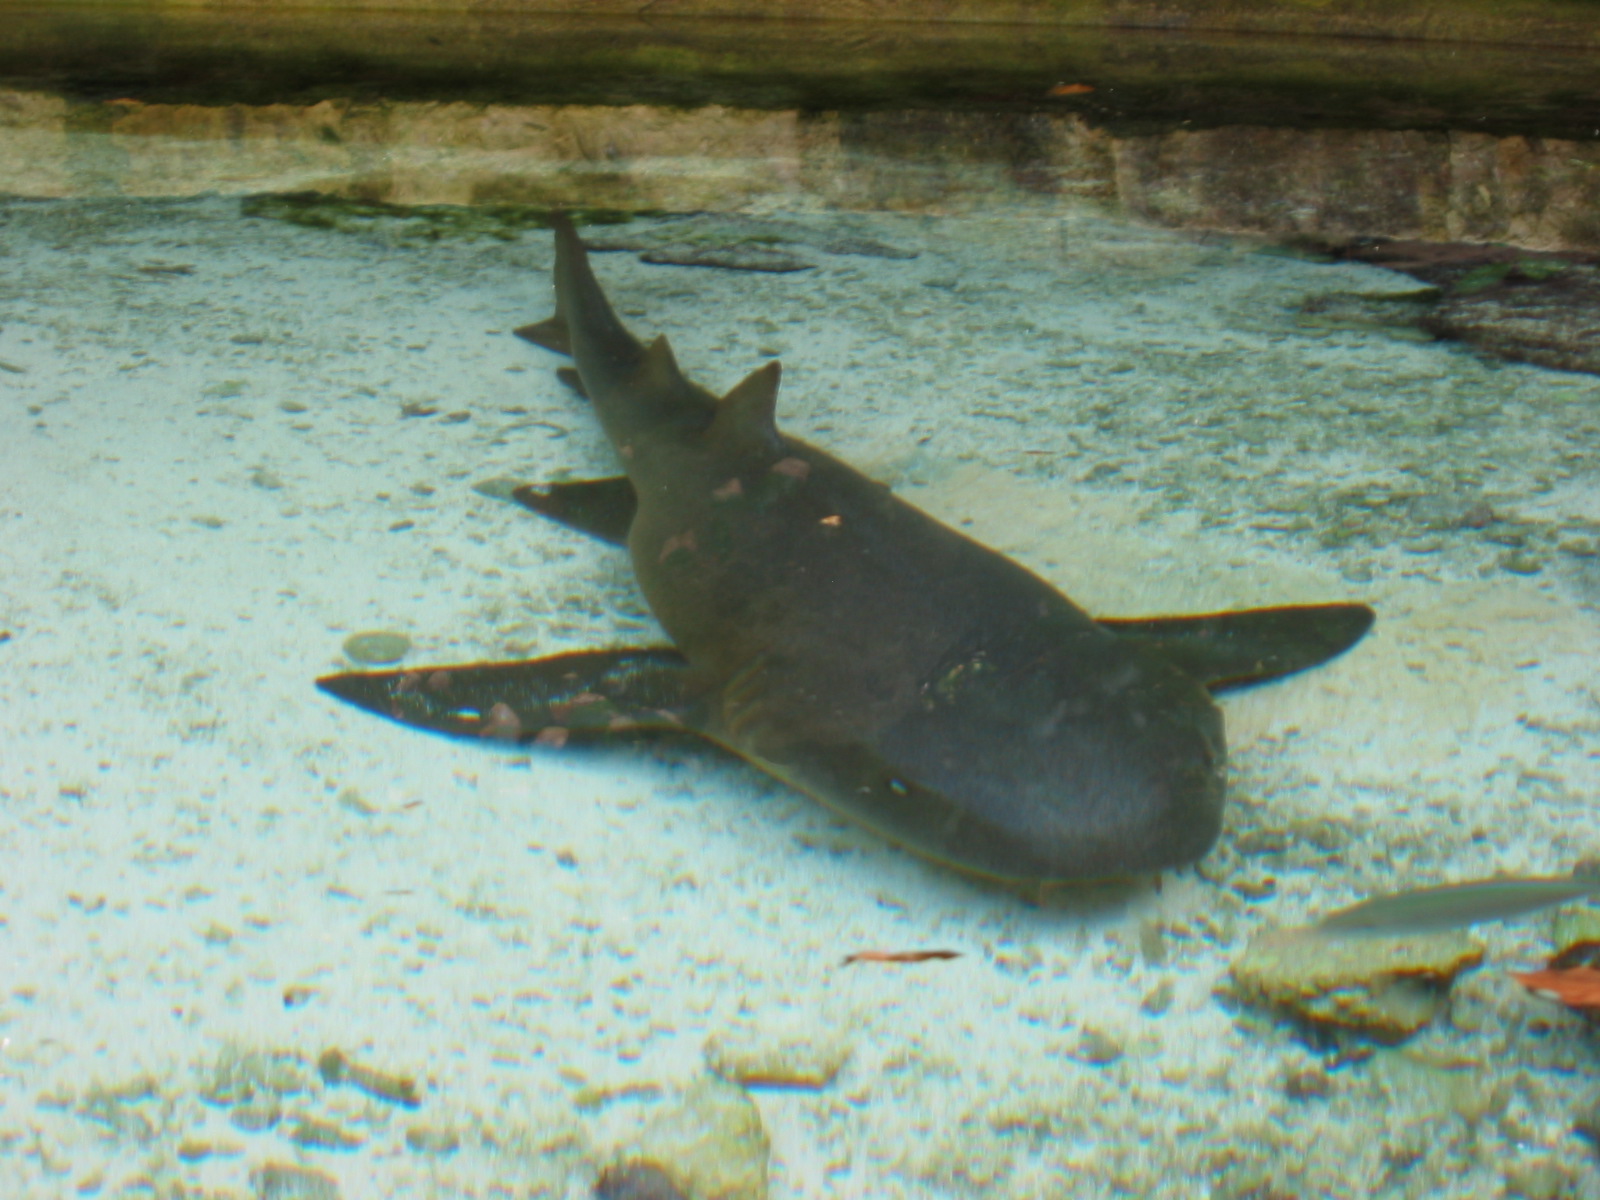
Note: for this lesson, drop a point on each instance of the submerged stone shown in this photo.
(1575, 932)
(709, 1146)
(1384, 988)
(377, 647)
(1540, 307)
(286, 1181)
(636, 1181)
(757, 1055)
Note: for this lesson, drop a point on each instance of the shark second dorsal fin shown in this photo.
(657, 371)
(747, 416)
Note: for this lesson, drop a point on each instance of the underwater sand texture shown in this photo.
(212, 874)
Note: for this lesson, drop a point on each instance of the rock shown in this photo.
(1097, 1049)
(255, 1115)
(1521, 305)
(240, 1076)
(1586, 1124)
(636, 1181)
(285, 1181)
(708, 1146)
(376, 648)
(732, 258)
(433, 1139)
(1382, 988)
(336, 1068)
(192, 1150)
(316, 1134)
(1575, 933)
(759, 1055)
(1539, 1179)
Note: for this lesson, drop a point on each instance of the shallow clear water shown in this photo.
(228, 441)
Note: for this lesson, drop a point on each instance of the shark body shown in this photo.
(847, 643)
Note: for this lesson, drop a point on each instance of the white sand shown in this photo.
(180, 555)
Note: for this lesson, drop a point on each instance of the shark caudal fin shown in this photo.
(552, 333)
(636, 388)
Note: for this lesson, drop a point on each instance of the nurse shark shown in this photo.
(845, 642)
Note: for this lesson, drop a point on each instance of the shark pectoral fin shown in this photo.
(1234, 649)
(543, 700)
(551, 333)
(602, 508)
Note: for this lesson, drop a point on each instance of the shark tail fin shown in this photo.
(552, 333)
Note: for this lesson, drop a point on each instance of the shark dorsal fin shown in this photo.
(747, 415)
(658, 369)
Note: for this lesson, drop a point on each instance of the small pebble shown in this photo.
(1097, 1049)
(429, 1139)
(317, 1134)
(498, 488)
(285, 1181)
(197, 1149)
(336, 1068)
(636, 1181)
(1158, 999)
(377, 647)
(753, 1055)
(253, 1116)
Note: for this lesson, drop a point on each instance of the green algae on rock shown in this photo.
(376, 647)
(1385, 989)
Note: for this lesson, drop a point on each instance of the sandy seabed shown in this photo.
(210, 873)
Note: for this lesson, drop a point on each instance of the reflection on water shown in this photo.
(236, 433)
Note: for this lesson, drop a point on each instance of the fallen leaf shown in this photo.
(898, 956)
(1576, 987)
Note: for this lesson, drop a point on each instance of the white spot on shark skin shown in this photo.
(728, 490)
(794, 468)
(678, 541)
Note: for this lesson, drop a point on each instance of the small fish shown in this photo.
(898, 956)
(1454, 905)
(1576, 987)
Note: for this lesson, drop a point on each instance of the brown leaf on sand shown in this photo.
(898, 956)
(1576, 987)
